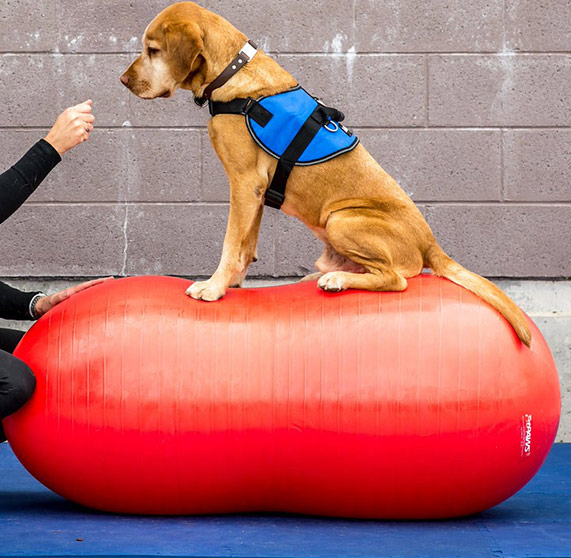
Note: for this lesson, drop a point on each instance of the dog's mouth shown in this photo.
(165, 94)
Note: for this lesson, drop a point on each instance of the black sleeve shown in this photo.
(19, 182)
(14, 304)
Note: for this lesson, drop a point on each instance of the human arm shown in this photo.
(19, 182)
(15, 304)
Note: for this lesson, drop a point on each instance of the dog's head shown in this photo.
(173, 52)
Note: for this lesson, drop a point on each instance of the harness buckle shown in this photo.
(248, 106)
(274, 199)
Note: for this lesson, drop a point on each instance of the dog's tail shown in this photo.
(444, 266)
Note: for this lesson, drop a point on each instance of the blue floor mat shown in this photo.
(535, 523)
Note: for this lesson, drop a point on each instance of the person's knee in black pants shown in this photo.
(9, 339)
(17, 383)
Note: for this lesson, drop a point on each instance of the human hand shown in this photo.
(72, 127)
(46, 303)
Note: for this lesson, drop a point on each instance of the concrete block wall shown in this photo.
(466, 104)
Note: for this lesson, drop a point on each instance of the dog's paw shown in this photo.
(205, 290)
(334, 281)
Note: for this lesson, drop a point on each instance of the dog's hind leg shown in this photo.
(373, 241)
(386, 279)
(331, 260)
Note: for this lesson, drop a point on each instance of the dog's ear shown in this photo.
(184, 46)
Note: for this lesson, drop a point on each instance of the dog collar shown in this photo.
(247, 52)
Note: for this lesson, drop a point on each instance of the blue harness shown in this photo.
(293, 127)
(289, 112)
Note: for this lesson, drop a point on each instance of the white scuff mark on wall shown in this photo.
(132, 45)
(75, 42)
(334, 46)
(337, 43)
(507, 65)
(125, 238)
(350, 62)
(125, 193)
(127, 124)
(265, 44)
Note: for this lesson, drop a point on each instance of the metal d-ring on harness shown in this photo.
(320, 117)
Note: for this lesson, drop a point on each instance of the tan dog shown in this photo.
(374, 235)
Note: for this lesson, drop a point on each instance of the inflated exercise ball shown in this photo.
(421, 404)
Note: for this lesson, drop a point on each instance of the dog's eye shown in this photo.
(152, 51)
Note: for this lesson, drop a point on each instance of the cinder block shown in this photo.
(163, 165)
(500, 90)
(28, 25)
(439, 165)
(181, 239)
(428, 164)
(74, 78)
(291, 26)
(117, 165)
(93, 171)
(63, 241)
(537, 164)
(490, 239)
(105, 25)
(446, 26)
(35, 88)
(111, 26)
(505, 240)
(372, 90)
(538, 26)
(296, 247)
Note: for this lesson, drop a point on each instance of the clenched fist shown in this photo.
(72, 127)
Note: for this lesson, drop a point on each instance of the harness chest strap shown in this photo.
(275, 194)
(246, 107)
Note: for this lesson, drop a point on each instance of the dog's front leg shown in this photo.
(239, 248)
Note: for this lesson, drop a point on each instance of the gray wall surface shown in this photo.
(466, 104)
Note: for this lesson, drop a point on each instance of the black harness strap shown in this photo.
(247, 106)
(275, 194)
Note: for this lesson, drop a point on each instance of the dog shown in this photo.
(375, 237)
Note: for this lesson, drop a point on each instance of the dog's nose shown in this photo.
(125, 79)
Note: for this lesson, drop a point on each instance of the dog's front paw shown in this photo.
(205, 290)
(334, 281)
